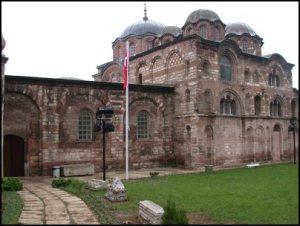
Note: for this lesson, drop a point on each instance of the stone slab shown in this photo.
(78, 169)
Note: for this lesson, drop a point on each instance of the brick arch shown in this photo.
(171, 57)
(277, 142)
(156, 65)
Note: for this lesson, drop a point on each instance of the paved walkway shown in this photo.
(46, 205)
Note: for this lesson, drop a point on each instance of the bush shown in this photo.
(172, 215)
(154, 174)
(11, 184)
(61, 182)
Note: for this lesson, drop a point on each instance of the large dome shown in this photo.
(202, 14)
(143, 27)
(239, 29)
(173, 30)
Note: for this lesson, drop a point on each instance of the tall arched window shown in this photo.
(257, 105)
(85, 125)
(131, 49)
(188, 132)
(225, 68)
(275, 108)
(143, 125)
(187, 95)
(245, 45)
(203, 31)
(274, 80)
(140, 78)
(293, 107)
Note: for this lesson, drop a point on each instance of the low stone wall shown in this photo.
(78, 169)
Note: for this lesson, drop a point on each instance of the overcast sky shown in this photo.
(69, 39)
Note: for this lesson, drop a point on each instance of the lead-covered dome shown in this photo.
(142, 28)
(239, 29)
(202, 14)
(173, 30)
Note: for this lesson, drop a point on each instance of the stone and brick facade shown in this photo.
(210, 97)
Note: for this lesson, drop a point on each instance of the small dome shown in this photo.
(143, 27)
(202, 14)
(173, 30)
(239, 29)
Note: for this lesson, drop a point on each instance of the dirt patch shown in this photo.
(127, 217)
(197, 218)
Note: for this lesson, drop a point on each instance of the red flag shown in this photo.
(125, 68)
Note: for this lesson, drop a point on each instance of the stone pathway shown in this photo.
(46, 205)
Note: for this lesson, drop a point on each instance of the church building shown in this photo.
(202, 94)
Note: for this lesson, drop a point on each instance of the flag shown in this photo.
(126, 87)
(125, 68)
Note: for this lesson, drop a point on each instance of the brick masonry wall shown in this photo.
(46, 117)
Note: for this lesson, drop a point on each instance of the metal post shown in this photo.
(103, 132)
(294, 144)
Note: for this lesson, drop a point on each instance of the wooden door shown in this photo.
(13, 156)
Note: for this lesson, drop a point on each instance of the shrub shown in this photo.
(11, 184)
(154, 174)
(172, 215)
(78, 185)
(61, 182)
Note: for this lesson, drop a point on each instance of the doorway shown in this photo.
(13, 156)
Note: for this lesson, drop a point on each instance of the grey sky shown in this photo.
(69, 39)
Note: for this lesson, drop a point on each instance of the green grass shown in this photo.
(11, 208)
(263, 195)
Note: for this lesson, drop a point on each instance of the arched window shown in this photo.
(189, 31)
(149, 45)
(140, 79)
(275, 108)
(274, 80)
(205, 68)
(85, 125)
(228, 106)
(203, 31)
(188, 131)
(225, 68)
(187, 95)
(143, 125)
(247, 75)
(257, 105)
(131, 49)
(293, 106)
(256, 77)
(245, 45)
(218, 35)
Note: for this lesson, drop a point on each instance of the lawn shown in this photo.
(11, 207)
(263, 195)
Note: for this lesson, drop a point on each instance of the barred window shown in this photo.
(274, 80)
(228, 106)
(275, 108)
(143, 125)
(245, 45)
(85, 125)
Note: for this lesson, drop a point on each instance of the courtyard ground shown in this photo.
(264, 195)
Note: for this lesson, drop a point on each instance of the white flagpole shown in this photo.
(127, 118)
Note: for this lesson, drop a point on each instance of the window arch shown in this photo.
(274, 80)
(85, 121)
(275, 108)
(203, 31)
(247, 75)
(225, 68)
(228, 106)
(131, 49)
(245, 45)
(293, 107)
(187, 95)
(257, 105)
(143, 125)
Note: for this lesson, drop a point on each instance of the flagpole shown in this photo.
(127, 111)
